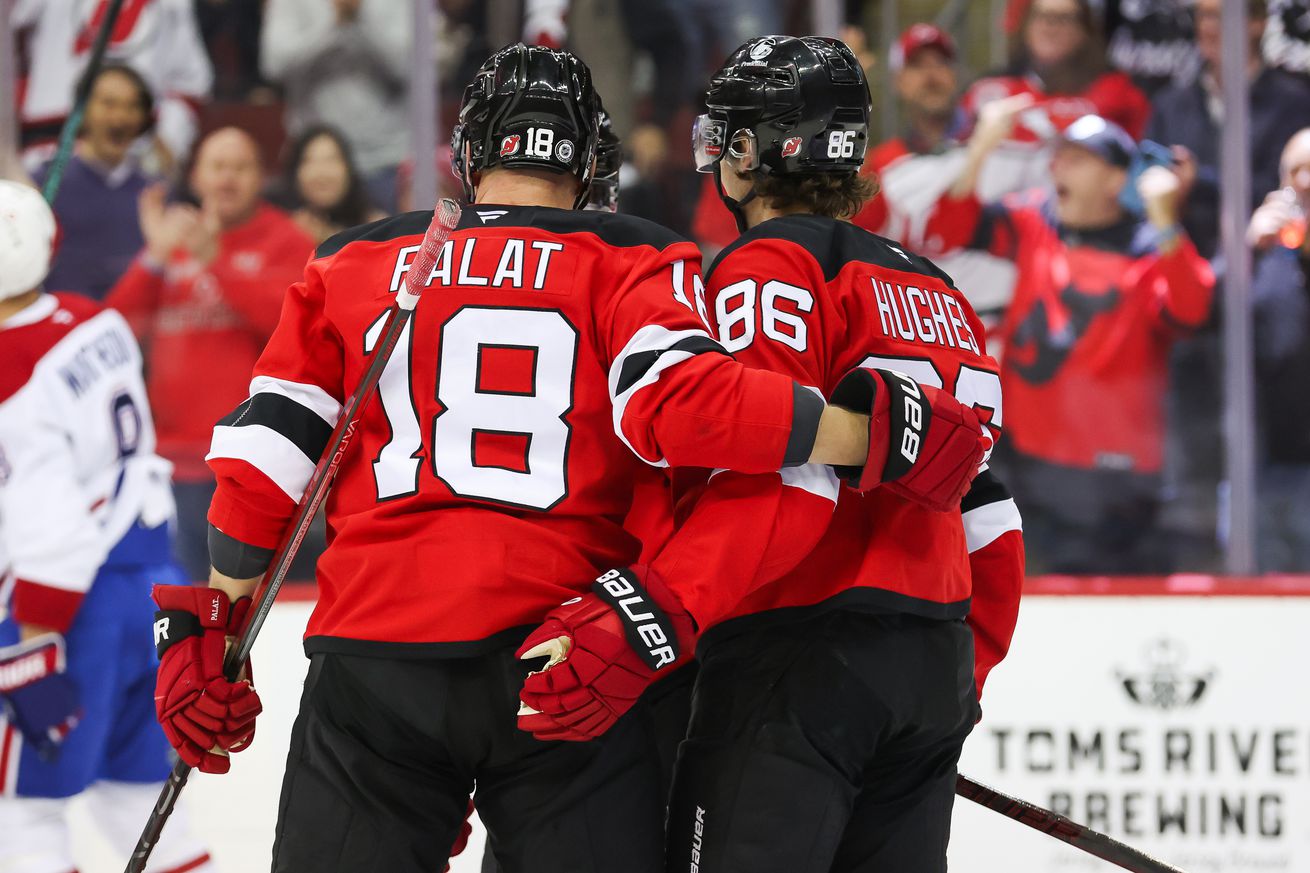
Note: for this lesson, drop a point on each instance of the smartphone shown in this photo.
(1149, 154)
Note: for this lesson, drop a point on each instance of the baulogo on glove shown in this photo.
(924, 445)
(203, 714)
(605, 648)
(39, 699)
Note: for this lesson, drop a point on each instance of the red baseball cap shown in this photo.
(918, 36)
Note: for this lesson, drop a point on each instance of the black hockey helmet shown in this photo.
(803, 102)
(604, 195)
(528, 106)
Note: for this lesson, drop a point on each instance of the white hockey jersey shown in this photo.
(77, 462)
(157, 38)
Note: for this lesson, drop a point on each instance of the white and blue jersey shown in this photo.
(84, 511)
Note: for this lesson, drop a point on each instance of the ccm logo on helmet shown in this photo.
(644, 620)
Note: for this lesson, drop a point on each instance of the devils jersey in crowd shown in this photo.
(78, 471)
(1089, 331)
(814, 298)
(554, 353)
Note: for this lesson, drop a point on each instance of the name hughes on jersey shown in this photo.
(518, 263)
(923, 315)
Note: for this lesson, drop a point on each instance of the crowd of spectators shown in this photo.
(1072, 193)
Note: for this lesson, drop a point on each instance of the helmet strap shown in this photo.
(736, 207)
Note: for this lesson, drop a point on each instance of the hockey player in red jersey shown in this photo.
(838, 678)
(557, 352)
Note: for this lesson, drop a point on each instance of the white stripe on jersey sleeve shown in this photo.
(818, 479)
(983, 525)
(312, 397)
(268, 452)
(651, 338)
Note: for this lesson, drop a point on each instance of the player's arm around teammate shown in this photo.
(747, 531)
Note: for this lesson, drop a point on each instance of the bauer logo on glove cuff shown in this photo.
(647, 627)
(172, 626)
(910, 416)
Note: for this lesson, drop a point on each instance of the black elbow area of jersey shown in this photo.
(236, 559)
(987, 488)
(807, 409)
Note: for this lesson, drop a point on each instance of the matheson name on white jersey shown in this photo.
(77, 443)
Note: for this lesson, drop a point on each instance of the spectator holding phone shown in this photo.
(1192, 115)
(1281, 293)
(1102, 293)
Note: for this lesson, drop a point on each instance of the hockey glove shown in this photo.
(924, 445)
(202, 713)
(39, 698)
(605, 648)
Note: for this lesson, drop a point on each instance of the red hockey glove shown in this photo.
(606, 647)
(201, 712)
(35, 693)
(924, 445)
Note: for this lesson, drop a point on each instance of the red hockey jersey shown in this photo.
(814, 298)
(553, 354)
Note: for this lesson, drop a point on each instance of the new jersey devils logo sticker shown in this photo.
(791, 147)
(509, 145)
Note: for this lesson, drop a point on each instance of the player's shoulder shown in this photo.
(830, 244)
(614, 229)
(29, 336)
(381, 231)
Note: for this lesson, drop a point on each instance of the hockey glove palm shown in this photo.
(202, 713)
(924, 445)
(606, 647)
(40, 700)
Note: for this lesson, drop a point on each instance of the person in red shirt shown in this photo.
(203, 298)
(1102, 295)
(803, 593)
(557, 353)
(913, 171)
(1061, 67)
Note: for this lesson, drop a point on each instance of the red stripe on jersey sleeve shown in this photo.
(997, 569)
(247, 505)
(44, 605)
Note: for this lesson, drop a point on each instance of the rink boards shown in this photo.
(1176, 719)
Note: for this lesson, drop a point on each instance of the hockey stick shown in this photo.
(1052, 823)
(73, 122)
(443, 222)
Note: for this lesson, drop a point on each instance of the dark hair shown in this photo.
(145, 96)
(1078, 71)
(353, 208)
(836, 195)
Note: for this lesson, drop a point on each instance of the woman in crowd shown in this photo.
(1060, 64)
(321, 186)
